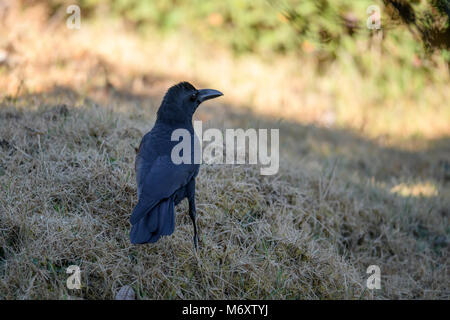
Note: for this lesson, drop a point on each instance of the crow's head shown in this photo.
(181, 101)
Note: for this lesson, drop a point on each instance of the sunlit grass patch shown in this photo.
(424, 189)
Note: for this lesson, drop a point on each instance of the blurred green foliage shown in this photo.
(271, 25)
(327, 29)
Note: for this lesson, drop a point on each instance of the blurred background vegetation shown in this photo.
(286, 26)
(410, 53)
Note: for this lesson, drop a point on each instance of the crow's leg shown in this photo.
(192, 210)
(192, 214)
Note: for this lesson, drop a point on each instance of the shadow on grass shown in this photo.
(365, 169)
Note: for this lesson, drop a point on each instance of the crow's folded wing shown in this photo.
(159, 182)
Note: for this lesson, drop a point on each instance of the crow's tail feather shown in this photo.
(158, 221)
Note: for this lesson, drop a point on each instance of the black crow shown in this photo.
(161, 183)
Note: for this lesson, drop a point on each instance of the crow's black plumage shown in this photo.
(161, 183)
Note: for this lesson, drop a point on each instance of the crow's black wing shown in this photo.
(159, 182)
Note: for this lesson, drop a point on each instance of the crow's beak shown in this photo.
(206, 94)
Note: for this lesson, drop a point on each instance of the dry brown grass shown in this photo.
(75, 103)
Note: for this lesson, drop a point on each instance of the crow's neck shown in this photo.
(174, 123)
(172, 116)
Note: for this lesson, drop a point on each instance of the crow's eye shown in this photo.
(194, 96)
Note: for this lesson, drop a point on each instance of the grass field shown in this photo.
(364, 175)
